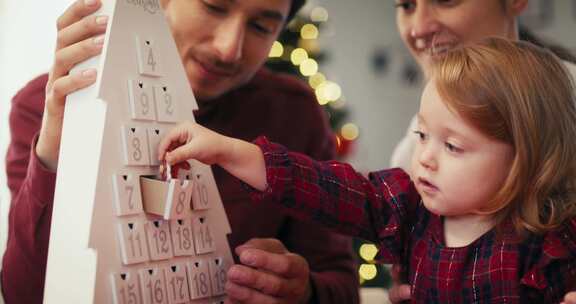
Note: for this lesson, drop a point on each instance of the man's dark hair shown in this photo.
(296, 6)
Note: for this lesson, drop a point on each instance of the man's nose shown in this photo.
(229, 40)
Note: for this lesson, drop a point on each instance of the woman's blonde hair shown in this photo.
(520, 94)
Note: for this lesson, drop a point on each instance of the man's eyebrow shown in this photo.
(268, 13)
(272, 14)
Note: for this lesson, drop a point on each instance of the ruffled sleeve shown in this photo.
(553, 274)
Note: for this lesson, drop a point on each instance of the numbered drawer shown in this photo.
(218, 270)
(127, 197)
(177, 283)
(135, 143)
(132, 239)
(166, 104)
(148, 57)
(205, 189)
(203, 238)
(153, 285)
(155, 135)
(182, 237)
(125, 288)
(169, 199)
(141, 97)
(159, 243)
(199, 279)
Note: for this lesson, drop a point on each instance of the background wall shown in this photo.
(27, 31)
(382, 102)
(357, 35)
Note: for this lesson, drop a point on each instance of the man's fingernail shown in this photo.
(101, 20)
(89, 73)
(248, 259)
(98, 40)
(90, 2)
(233, 273)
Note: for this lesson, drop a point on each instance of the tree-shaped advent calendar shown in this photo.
(118, 234)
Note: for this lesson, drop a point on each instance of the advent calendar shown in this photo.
(119, 234)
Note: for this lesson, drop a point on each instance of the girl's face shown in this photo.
(431, 27)
(456, 168)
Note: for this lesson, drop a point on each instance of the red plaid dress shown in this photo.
(387, 210)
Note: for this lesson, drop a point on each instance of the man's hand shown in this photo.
(398, 292)
(79, 38)
(268, 273)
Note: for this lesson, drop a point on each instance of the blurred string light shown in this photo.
(368, 252)
(349, 131)
(298, 55)
(309, 67)
(302, 55)
(319, 14)
(309, 31)
(328, 91)
(277, 50)
(368, 271)
(315, 80)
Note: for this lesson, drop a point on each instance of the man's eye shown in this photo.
(260, 28)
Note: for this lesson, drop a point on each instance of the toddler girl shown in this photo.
(489, 213)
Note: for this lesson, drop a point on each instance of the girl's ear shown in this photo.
(516, 7)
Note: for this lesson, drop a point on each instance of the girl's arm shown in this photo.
(379, 209)
(192, 141)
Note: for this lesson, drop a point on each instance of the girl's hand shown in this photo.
(570, 298)
(192, 141)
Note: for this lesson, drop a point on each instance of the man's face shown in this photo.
(429, 28)
(222, 43)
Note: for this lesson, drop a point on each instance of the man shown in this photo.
(223, 45)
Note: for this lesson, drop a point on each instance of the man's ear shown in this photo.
(516, 7)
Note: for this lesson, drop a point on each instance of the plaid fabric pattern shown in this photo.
(386, 209)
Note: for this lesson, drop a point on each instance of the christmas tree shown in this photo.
(298, 52)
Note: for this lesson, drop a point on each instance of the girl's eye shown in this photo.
(214, 8)
(421, 135)
(447, 2)
(452, 148)
(405, 5)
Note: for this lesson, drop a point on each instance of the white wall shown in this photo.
(27, 32)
